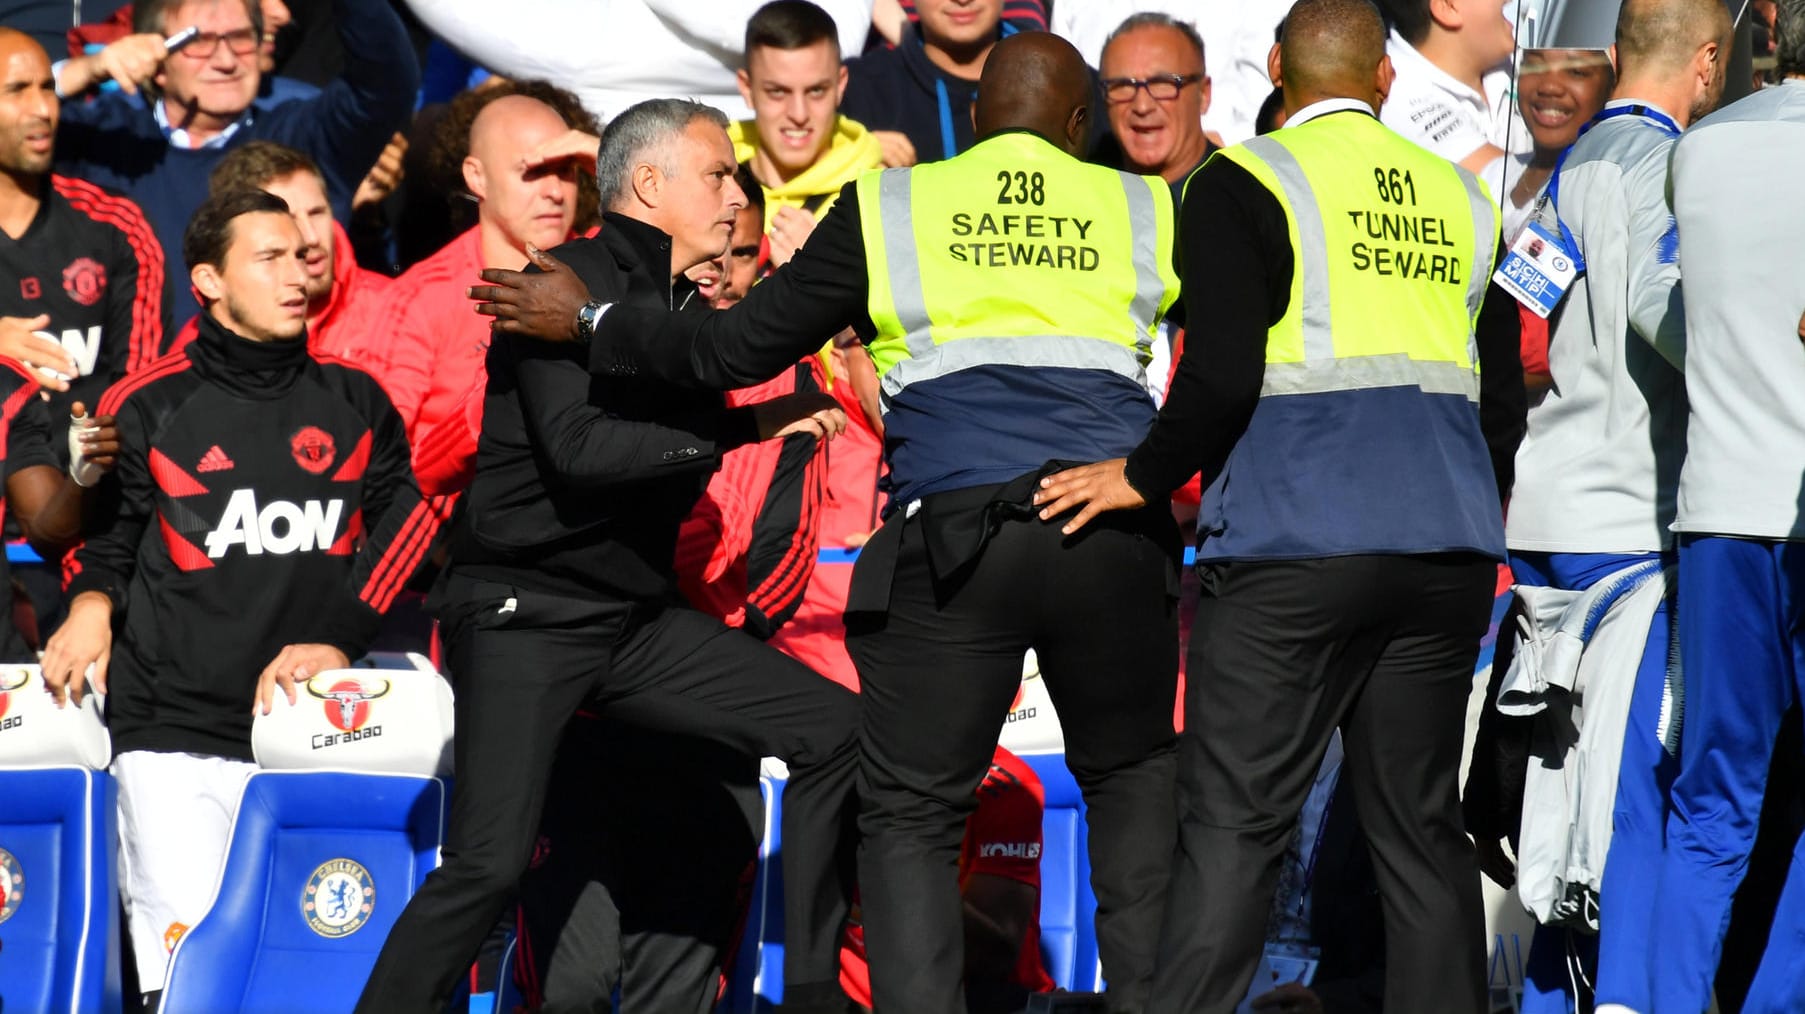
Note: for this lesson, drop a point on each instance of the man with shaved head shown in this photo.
(436, 349)
(1351, 519)
(1009, 297)
(1597, 476)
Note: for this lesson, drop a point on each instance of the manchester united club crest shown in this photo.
(12, 678)
(348, 700)
(12, 885)
(85, 281)
(339, 898)
(313, 449)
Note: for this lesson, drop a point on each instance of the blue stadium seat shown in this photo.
(755, 983)
(59, 933)
(59, 939)
(319, 866)
(1068, 909)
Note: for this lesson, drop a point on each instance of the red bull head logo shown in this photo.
(348, 699)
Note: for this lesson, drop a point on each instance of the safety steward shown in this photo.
(1351, 520)
(1009, 297)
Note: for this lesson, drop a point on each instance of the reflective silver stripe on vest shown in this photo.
(1046, 351)
(898, 226)
(1143, 220)
(1354, 373)
(1484, 214)
(1313, 241)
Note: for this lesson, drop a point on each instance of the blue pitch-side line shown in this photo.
(844, 554)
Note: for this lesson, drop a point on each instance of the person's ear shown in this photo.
(474, 181)
(1448, 13)
(1382, 81)
(1611, 54)
(648, 184)
(206, 281)
(1274, 66)
(840, 87)
(1203, 87)
(745, 82)
(1077, 129)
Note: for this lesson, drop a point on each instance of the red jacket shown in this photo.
(346, 329)
(816, 635)
(437, 341)
(747, 550)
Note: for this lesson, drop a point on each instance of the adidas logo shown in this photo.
(215, 461)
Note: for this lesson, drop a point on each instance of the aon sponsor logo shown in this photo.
(278, 527)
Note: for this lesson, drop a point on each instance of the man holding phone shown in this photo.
(187, 79)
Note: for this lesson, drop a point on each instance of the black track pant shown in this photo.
(939, 671)
(643, 890)
(523, 662)
(1281, 654)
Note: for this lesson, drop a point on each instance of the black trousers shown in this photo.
(523, 662)
(1281, 654)
(644, 889)
(939, 671)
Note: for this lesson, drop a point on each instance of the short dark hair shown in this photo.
(151, 17)
(256, 164)
(1409, 17)
(1789, 37)
(790, 24)
(755, 191)
(209, 232)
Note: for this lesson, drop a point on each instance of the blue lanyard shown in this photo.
(1650, 113)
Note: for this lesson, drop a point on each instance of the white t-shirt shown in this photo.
(615, 53)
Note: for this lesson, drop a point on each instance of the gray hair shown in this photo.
(640, 135)
(1789, 38)
(1156, 19)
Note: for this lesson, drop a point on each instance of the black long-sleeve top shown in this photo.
(1236, 263)
(583, 481)
(267, 500)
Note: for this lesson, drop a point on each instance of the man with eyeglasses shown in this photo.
(159, 136)
(1157, 92)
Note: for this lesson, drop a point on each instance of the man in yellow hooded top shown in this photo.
(798, 146)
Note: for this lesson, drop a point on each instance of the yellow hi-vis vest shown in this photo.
(1016, 254)
(1366, 438)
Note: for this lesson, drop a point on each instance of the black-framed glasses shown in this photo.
(241, 41)
(1160, 87)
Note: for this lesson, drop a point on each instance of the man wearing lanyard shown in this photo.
(1597, 472)
(1351, 520)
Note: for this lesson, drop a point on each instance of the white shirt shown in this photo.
(1599, 466)
(1444, 115)
(178, 136)
(1742, 244)
(615, 53)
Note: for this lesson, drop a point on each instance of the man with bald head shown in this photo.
(1598, 474)
(1350, 520)
(1009, 297)
(436, 351)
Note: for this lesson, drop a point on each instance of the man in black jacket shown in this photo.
(560, 593)
(268, 510)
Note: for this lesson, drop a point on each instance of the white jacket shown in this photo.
(1577, 657)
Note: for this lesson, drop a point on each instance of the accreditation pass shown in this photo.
(1537, 270)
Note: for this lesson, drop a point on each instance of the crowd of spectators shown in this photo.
(417, 143)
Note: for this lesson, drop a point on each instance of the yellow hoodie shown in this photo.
(852, 151)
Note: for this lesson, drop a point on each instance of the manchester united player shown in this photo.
(269, 512)
(81, 274)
